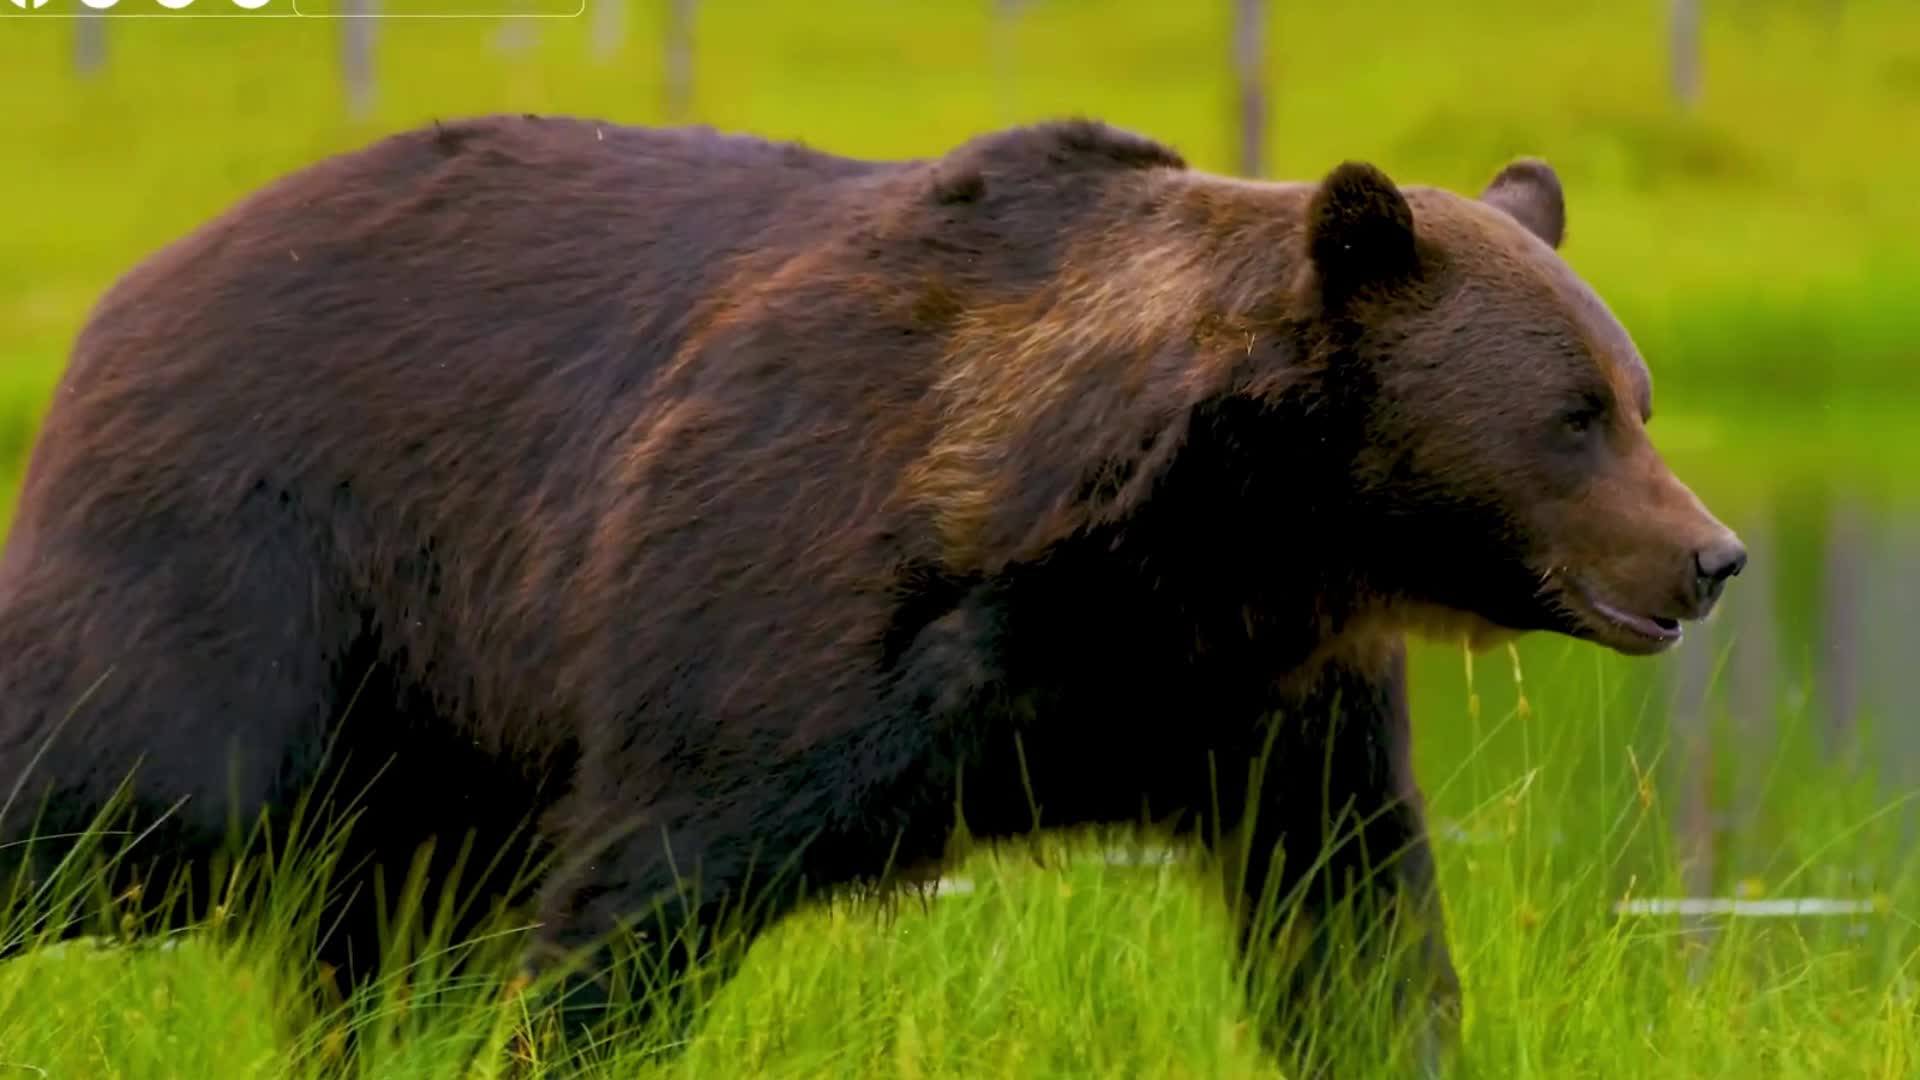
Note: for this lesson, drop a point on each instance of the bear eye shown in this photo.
(1581, 418)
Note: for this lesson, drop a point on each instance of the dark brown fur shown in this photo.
(725, 506)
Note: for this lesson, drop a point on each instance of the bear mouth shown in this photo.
(1626, 631)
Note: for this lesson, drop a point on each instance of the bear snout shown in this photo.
(1713, 566)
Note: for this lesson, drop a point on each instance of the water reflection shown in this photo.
(1806, 673)
(1815, 642)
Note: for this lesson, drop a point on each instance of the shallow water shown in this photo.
(1807, 669)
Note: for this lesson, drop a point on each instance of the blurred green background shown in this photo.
(1758, 234)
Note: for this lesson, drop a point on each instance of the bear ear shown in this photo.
(1359, 231)
(1529, 191)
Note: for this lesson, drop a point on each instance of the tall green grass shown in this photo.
(1550, 806)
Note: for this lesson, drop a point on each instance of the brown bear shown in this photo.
(741, 518)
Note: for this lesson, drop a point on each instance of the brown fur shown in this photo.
(724, 506)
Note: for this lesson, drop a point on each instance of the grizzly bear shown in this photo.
(717, 521)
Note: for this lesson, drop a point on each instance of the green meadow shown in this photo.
(1763, 247)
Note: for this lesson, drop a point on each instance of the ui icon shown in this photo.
(23, 4)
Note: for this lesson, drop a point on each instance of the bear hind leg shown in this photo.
(181, 683)
(442, 851)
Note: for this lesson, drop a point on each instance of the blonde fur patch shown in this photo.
(1143, 321)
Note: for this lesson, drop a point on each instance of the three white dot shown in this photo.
(171, 5)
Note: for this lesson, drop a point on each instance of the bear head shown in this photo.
(1500, 457)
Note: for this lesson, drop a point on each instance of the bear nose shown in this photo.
(1715, 563)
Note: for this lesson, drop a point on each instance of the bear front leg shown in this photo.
(737, 832)
(664, 905)
(1331, 871)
